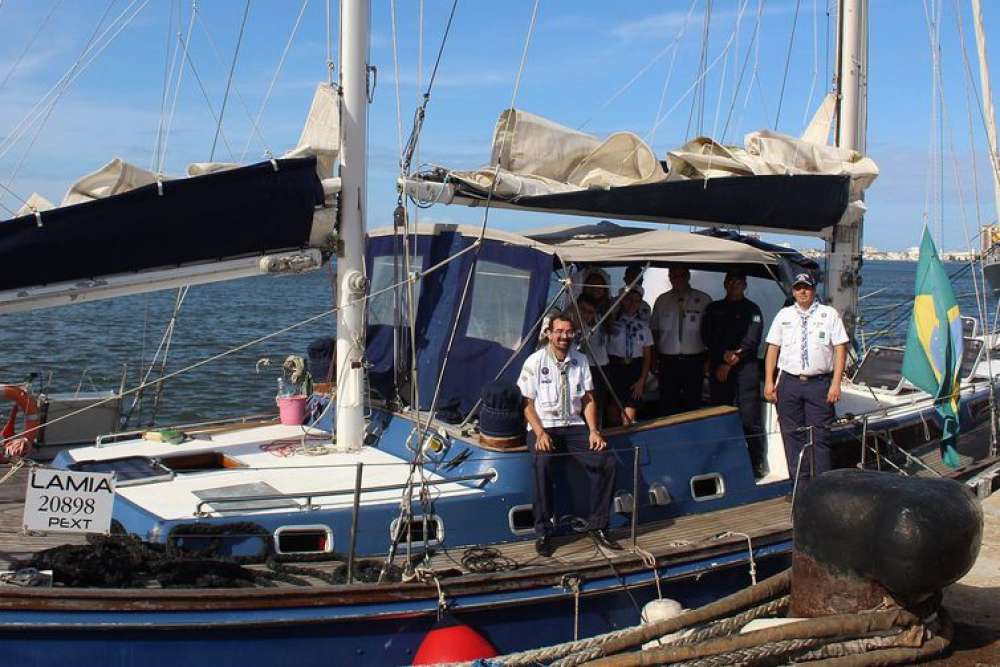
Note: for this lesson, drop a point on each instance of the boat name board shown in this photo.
(67, 501)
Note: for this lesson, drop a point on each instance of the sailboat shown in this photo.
(379, 515)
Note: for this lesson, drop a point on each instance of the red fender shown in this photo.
(452, 641)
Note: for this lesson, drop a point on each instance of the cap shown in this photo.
(804, 279)
(736, 274)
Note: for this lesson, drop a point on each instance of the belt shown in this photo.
(700, 355)
(622, 361)
(806, 378)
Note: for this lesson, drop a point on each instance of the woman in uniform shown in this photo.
(630, 356)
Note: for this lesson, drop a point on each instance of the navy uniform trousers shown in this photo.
(572, 442)
(801, 404)
(742, 389)
(681, 378)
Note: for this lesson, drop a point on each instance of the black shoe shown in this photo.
(759, 471)
(543, 546)
(605, 540)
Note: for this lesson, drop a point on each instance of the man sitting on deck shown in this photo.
(558, 398)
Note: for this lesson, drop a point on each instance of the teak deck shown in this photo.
(667, 540)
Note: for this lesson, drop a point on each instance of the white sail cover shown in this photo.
(320, 137)
(113, 178)
(36, 203)
(770, 153)
(533, 156)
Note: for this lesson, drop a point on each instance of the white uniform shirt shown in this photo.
(597, 353)
(629, 335)
(819, 328)
(676, 318)
(557, 388)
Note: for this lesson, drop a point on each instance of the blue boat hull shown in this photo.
(386, 633)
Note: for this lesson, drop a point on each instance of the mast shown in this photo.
(988, 112)
(351, 281)
(843, 272)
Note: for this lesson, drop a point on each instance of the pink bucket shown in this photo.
(291, 409)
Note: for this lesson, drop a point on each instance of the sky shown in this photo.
(593, 65)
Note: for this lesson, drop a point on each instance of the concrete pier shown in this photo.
(974, 601)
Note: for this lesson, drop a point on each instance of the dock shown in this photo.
(974, 601)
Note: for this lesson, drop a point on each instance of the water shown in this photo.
(86, 345)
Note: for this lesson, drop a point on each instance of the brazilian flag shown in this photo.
(933, 354)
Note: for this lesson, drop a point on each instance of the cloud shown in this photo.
(664, 24)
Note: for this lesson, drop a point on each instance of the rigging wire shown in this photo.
(48, 113)
(236, 89)
(29, 44)
(699, 93)
(84, 60)
(328, 25)
(43, 108)
(270, 88)
(722, 78)
(815, 67)
(229, 80)
(421, 112)
(208, 101)
(181, 47)
(675, 46)
(788, 62)
(422, 426)
(746, 61)
(169, 64)
(671, 47)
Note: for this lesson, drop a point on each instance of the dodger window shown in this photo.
(382, 306)
(499, 299)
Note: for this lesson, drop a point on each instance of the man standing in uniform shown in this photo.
(731, 329)
(807, 343)
(562, 416)
(676, 325)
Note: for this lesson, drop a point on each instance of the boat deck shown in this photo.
(761, 522)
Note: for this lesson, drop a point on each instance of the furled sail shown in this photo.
(538, 164)
(124, 230)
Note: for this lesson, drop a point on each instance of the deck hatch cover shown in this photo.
(128, 470)
(231, 498)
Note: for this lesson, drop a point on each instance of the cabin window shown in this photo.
(382, 307)
(521, 520)
(303, 540)
(707, 487)
(424, 531)
(499, 299)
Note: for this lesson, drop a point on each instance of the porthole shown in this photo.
(707, 487)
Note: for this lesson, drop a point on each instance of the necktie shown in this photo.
(680, 319)
(804, 340)
(564, 407)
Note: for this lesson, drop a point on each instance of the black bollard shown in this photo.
(862, 536)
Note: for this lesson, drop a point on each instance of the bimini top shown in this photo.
(608, 243)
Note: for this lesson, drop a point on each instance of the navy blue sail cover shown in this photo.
(246, 211)
(800, 202)
(505, 299)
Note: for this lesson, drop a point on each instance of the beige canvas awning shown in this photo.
(614, 244)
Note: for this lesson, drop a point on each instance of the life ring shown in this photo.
(16, 447)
